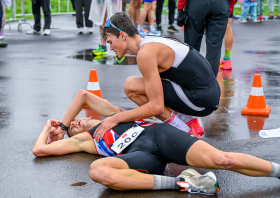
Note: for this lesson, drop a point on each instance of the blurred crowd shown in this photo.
(90, 12)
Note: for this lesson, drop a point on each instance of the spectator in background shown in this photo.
(134, 11)
(210, 15)
(79, 4)
(271, 9)
(8, 4)
(260, 8)
(36, 9)
(2, 20)
(124, 2)
(225, 63)
(148, 5)
(100, 11)
(171, 13)
(252, 6)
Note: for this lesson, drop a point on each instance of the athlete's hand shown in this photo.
(106, 124)
(56, 135)
(52, 125)
(122, 110)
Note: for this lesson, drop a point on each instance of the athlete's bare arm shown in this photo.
(78, 143)
(83, 98)
(153, 91)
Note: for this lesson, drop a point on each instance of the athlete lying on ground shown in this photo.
(156, 146)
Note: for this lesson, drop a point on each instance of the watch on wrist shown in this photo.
(63, 127)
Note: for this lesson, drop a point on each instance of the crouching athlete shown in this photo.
(141, 164)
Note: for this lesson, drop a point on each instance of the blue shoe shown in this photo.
(142, 33)
(155, 33)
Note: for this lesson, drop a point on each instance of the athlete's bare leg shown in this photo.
(151, 13)
(143, 14)
(103, 42)
(135, 90)
(203, 155)
(134, 10)
(228, 36)
(115, 173)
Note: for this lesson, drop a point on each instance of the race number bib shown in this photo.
(126, 139)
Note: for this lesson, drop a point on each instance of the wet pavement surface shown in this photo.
(39, 77)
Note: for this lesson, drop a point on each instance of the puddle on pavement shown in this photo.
(79, 184)
(104, 60)
(262, 52)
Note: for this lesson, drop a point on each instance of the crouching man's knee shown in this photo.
(131, 86)
(100, 173)
(224, 160)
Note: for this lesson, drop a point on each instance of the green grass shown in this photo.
(28, 8)
(63, 8)
(237, 11)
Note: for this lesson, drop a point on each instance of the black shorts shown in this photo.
(191, 88)
(158, 145)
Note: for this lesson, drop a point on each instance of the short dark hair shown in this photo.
(123, 22)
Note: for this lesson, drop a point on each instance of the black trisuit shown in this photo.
(156, 146)
(189, 85)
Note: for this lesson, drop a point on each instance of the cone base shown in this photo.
(262, 111)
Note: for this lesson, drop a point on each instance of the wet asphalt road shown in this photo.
(39, 76)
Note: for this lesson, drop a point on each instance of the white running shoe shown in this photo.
(90, 30)
(32, 31)
(243, 21)
(197, 183)
(80, 30)
(47, 32)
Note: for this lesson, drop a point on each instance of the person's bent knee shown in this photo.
(129, 85)
(224, 160)
(100, 173)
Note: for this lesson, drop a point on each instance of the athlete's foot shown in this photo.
(100, 51)
(196, 126)
(197, 183)
(226, 64)
(193, 132)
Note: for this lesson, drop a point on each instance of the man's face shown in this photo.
(80, 125)
(118, 45)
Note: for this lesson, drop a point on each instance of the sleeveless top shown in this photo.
(180, 50)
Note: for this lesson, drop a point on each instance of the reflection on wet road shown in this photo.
(105, 59)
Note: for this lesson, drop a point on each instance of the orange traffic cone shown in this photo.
(93, 84)
(92, 114)
(256, 102)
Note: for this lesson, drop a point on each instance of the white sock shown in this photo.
(152, 28)
(140, 27)
(175, 121)
(275, 170)
(184, 118)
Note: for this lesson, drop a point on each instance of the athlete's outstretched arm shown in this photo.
(203, 155)
(83, 98)
(77, 143)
